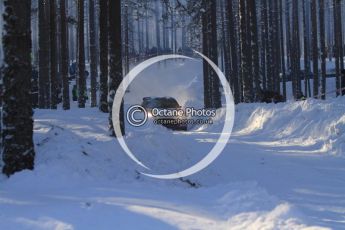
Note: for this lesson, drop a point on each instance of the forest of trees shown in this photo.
(47, 45)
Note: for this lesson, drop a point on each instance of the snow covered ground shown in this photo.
(283, 168)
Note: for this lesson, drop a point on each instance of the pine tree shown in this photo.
(276, 46)
(115, 60)
(53, 56)
(81, 56)
(147, 40)
(288, 36)
(270, 47)
(254, 46)
(224, 54)
(264, 43)
(140, 33)
(43, 55)
(306, 51)
(341, 41)
(64, 55)
(1, 83)
(165, 24)
(172, 30)
(205, 44)
(322, 47)
(315, 48)
(93, 53)
(245, 53)
(126, 40)
(18, 147)
(72, 30)
(296, 66)
(158, 31)
(213, 54)
(103, 41)
(212, 98)
(282, 54)
(338, 46)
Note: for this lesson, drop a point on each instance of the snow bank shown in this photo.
(314, 126)
(317, 125)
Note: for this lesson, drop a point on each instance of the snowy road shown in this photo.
(288, 177)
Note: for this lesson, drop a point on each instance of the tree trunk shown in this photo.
(43, 55)
(158, 32)
(306, 52)
(139, 32)
(64, 55)
(131, 33)
(225, 50)
(147, 40)
(296, 66)
(339, 34)
(216, 97)
(288, 37)
(165, 25)
(336, 47)
(264, 42)
(93, 53)
(315, 50)
(18, 147)
(172, 29)
(126, 31)
(245, 55)
(81, 56)
(254, 47)
(282, 54)
(115, 61)
(54, 87)
(212, 97)
(323, 48)
(183, 33)
(276, 44)
(205, 45)
(270, 47)
(103, 43)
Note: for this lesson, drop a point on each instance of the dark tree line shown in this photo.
(53, 67)
(266, 44)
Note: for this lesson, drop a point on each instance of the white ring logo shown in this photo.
(132, 111)
(222, 140)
